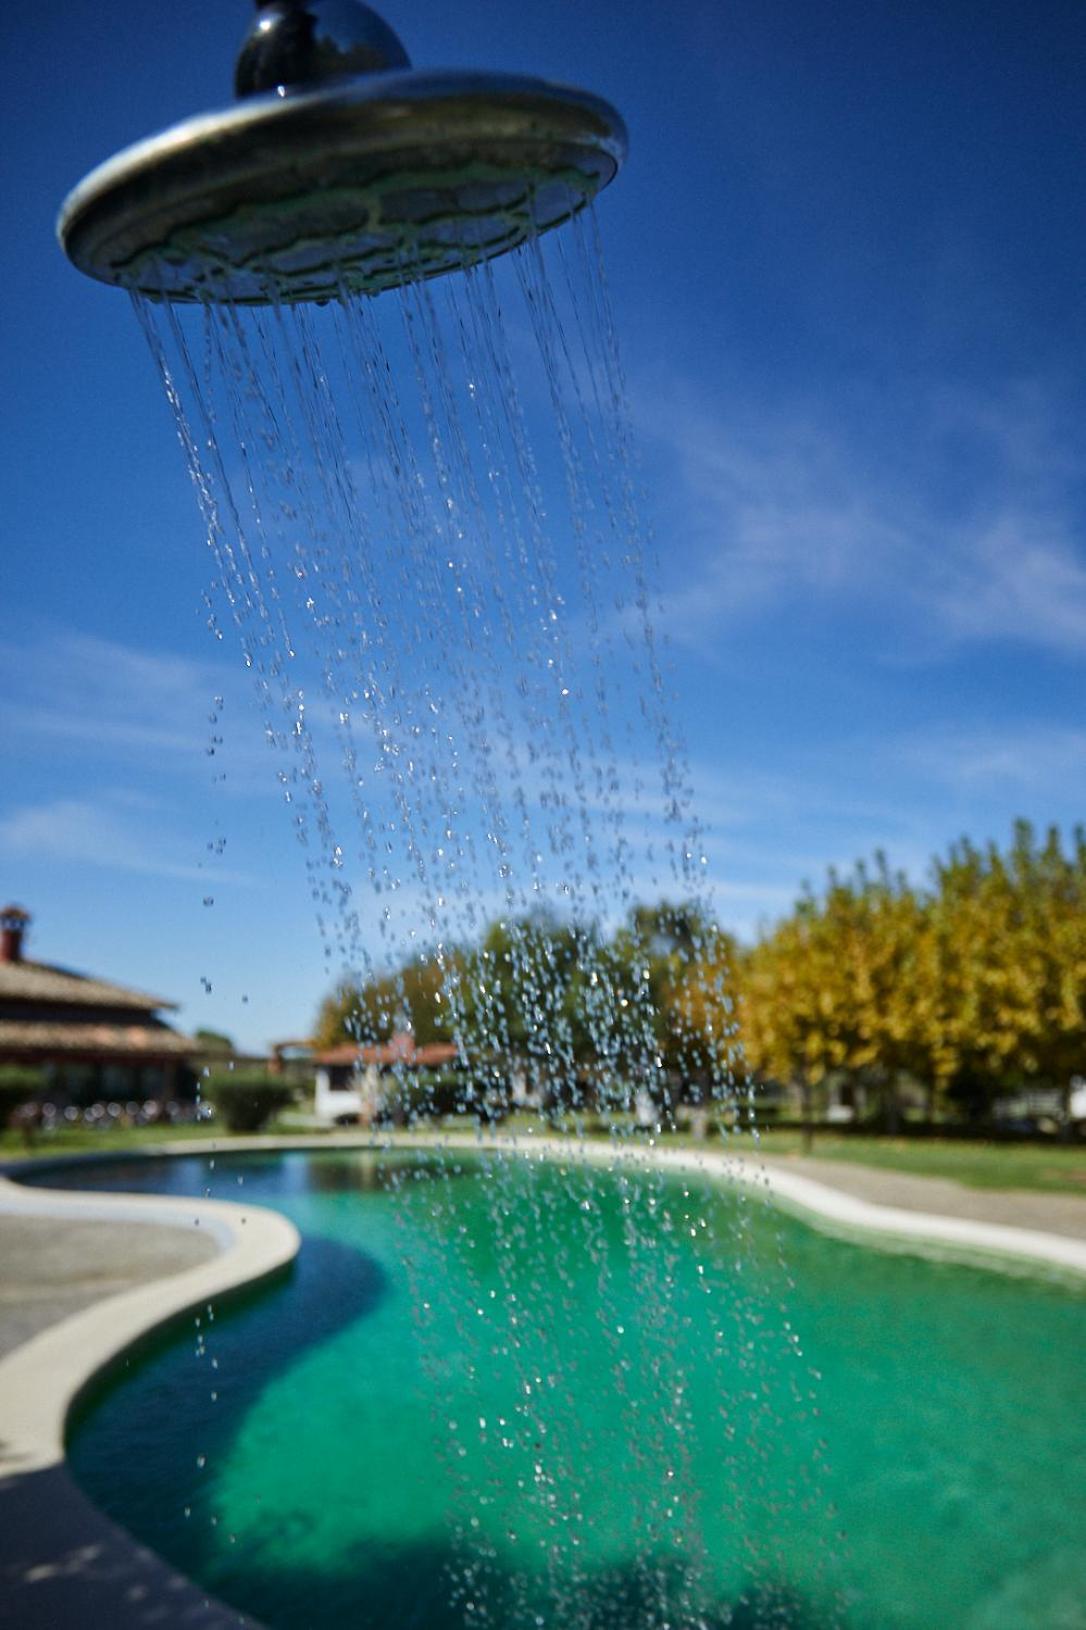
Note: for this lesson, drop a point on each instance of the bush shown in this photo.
(19, 1085)
(245, 1100)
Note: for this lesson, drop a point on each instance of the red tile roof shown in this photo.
(400, 1050)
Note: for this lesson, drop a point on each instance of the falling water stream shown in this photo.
(423, 516)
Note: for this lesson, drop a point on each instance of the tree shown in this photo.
(214, 1041)
(20, 1084)
(681, 965)
(969, 985)
(414, 998)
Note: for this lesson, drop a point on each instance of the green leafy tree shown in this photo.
(415, 998)
(214, 1041)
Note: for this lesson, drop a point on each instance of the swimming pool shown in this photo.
(729, 1418)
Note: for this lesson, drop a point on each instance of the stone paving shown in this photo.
(50, 1267)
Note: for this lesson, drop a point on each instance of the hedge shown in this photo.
(245, 1100)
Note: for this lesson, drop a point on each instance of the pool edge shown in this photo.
(998, 1247)
(65, 1563)
(41, 1380)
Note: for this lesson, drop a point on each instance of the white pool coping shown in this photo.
(41, 1381)
(998, 1246)
(993, 1245)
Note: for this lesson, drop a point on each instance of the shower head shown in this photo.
(341, 168)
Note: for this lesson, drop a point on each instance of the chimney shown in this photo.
(13, 921)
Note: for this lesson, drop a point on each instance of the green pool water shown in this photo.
(513, 1394)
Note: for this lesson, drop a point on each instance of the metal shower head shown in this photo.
(341, 169)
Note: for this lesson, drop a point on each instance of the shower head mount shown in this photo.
(340, 169)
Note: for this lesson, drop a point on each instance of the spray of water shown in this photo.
(423, 517)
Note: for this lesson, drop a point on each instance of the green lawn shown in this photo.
(1060, 1170)
(79, 1140)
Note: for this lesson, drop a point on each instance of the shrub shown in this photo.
(245, 1100)
(434, 1094)
(19, 1084)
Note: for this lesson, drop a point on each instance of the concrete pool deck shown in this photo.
(84, 1277)
(1063, 1214)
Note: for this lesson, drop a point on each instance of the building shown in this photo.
(1042, 1109)
(292, 1060)
(93, 1039)
(359, 1083)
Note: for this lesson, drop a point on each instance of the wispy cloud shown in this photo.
(1039, 759)
(76, 688)
(772, 514)
(117, 834)
(1020, 579)
(138, 709)
(969, 533)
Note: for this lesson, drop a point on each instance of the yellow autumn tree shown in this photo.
(971, 984)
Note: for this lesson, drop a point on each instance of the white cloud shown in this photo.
(1039, 758)
(148, 711)
(1020, 579)
(79, 688)
(82, 832)
(772, 514)
(790, 509)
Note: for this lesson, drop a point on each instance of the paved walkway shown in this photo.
(50, 1268)
(1063, 1214)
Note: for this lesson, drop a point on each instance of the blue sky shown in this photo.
(846, 259)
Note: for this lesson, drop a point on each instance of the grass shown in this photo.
(1052, 1169)
(82, 1140)
(1042, 1168)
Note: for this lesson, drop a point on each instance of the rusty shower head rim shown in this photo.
(358, 185)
